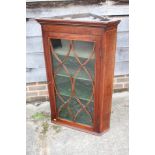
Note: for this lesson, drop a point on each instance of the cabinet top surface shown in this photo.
(80, 19)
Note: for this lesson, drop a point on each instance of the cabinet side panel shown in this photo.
(98, 82)
(108, 64)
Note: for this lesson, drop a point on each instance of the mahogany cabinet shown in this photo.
(80, 56)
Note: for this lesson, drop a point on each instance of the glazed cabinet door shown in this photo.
(72, 62)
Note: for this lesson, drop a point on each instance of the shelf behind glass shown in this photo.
(83, 89)
(82, 48)
(72, 66)
(74, 107)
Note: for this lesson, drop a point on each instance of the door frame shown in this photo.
(47, 35)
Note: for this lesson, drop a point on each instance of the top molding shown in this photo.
(87, 19)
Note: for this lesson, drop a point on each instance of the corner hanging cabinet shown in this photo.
(80, 56)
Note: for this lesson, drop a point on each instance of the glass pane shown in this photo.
(83, 89)
(62, 82)
(73, 110)
(73, 65)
